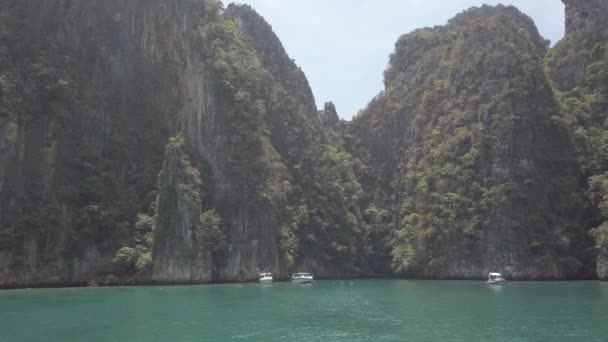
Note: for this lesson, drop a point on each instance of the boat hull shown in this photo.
(496, 282)
(301, 281)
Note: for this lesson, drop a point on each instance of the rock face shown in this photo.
(585, 27)
(83, 121)
(291, 111)
(577, 67)
(178, 256)
(602, 265)
(91, 92)
(462, 137)
(324, 219)
(587, 18)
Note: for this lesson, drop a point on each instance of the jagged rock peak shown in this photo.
(260, 32)
(269, 48)
(488, 11)
(485, 23)
(329, 115)
(505, 14)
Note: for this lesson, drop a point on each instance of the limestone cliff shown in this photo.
(471, 160)
(87, 92)
(324, 218)
(178, 254)
(602, 265)
(465, 161)
(578, 69)
(92, 90)
(585, 27)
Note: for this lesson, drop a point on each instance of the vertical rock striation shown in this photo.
(93, 91)
(178, 254)
(88, 87)
(585, 26)
(602, 265)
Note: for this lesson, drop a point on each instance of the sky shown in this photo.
(343, 46)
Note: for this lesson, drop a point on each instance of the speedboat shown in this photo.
(265, 277)
(495, 278)
(301, 277)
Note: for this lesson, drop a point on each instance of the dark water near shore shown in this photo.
(329, 311)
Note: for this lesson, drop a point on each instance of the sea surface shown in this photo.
(328, 311)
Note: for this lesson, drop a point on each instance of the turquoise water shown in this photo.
(328, 311)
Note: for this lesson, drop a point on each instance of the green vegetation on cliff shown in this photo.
(462, 152)
(322, 227)
(486, 151)
(578, 69)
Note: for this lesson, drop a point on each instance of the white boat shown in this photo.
(265, 277)
(301, 277)
(495, 278)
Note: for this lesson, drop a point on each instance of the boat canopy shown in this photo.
(495, 275)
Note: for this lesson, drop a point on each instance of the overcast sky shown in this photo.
(343, 45)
